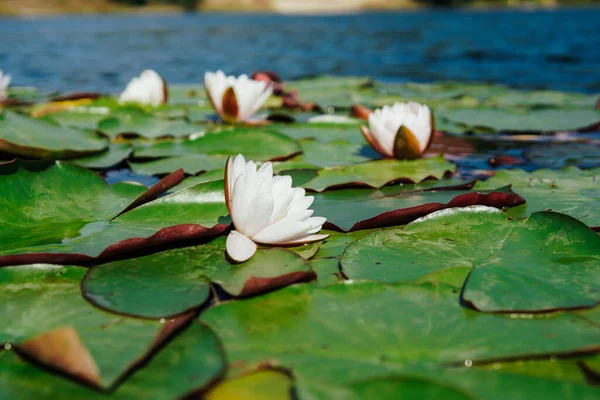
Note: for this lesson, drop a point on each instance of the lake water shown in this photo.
(554, 49)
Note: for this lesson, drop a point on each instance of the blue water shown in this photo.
(541, 49)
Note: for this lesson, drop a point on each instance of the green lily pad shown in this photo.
(323, 133)
(135, 122)
(326, 261)
(53, 324)
(54, 221)
(191, 163)
(255, 143)
(175, 281)
(339, 152)
(569, 191)
(356, 209)
(522, 120)
(332, 91)
(549, 261)
(367, 330)
(263, 385)
(209, 176)
(375, 174)
(30, 137)
(81, 120)
(186, 365)
(560, 155)
(114, 155)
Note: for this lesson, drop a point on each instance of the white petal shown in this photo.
(301, 204)
(305, 239)
(148, 88)
(216, 84)
(264, 177)
(239, 247)
(282, 230)
(283, 199)
(239, 203)
(261, 208)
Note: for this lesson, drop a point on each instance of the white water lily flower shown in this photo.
(148, 88)
(402, 131)
(266, 209)
(4, 82)
(235, 99)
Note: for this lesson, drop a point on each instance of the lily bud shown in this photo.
(148, 88)
(235, 99)
(403, 131)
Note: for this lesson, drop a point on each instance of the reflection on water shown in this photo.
(559, 49)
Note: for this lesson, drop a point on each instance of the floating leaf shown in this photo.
(31, 137)
(376, 174)
(53, 220)
(111, 157)
(522, 120)
(368, 330)
(254, 143)
(186, 365)
(175, 281)
(134, 122)
(261, 385)
(191, 163)
(336, 153)
(323, 133)
(355, 209)
(549, 261)
(569, 191)
(51, 323)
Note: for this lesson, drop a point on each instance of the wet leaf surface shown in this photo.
(193, 360)
(24, 136)
(401, 328)
(175, 281)
(549, 261)
(569, 191)
(376, 174)
(52, 324)
(357, 209)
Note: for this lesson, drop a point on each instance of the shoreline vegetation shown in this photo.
(53, 7)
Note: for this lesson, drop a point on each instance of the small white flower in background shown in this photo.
(148, 88)
(4, 82)
(235, 99)
(266, 209)
(402, 131)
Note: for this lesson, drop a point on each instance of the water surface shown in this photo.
(555, 49)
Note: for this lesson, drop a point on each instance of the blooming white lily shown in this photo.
(148, 88)
(266, 209)
(235, 99)
(402, 131)
(4, 82)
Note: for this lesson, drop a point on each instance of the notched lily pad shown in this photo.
(400, 328)
(185, 366)
(52, 324)
(175, 281)
(95, 223)
(549, 261)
